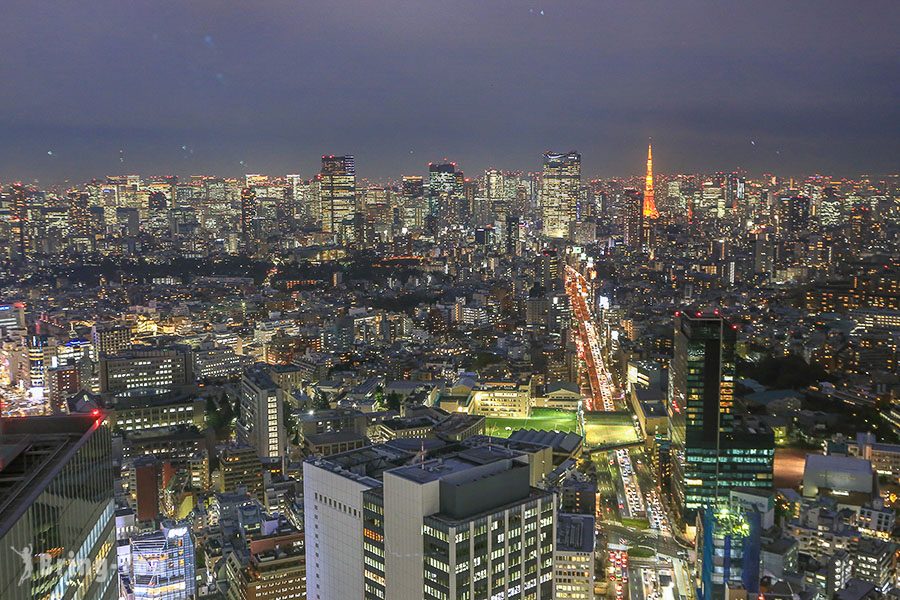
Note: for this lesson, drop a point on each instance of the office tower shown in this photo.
(445, 190)
(248, 210)
(734, 191)
(109, 339)
(763, 253)
(261, 419)
(495, 192)
(830, 211)
(162, 565)
(62, 382)
(273, 569)
(632, 218)
(709, 454)
(239, 468)
(145, 477)
(337, 191)
(36, 362)
(548, 269)
(143, 369)
(157, 204)
(537, 309)
(19, 221)
(559, 192)
(466, 525)
(79, 214)
(573, 559)
(793, 214)
(413, 207)
(57, 503)
(649, 208)
(470, 200)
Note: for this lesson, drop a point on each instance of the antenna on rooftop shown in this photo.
(422, 454)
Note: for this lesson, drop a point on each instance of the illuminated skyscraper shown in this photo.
(495, 191)
(445, 190)
(337, 191)
(413, 202)
(248, 210)
(559, 192)
(649, 210)
(793, 214)
(19, 220)
(162, 565)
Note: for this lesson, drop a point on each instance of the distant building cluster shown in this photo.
(512, 386)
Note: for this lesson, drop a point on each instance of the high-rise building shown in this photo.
(337, 191)
(709, 454)
(261, 419)
(19, 221)
(445, 190)
(793, 214)
(495, 191)
(632, 218)
(466, 525)
(649, 208)
(559, 192)
(248, 210)
(56, 504)
(162, 565)
(109, 339)
(413, 207)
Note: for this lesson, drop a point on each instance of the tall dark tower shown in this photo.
(248, 209)
(19, 220)
(710, 455)
(632, 218)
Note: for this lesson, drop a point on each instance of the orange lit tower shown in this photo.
(649, 211)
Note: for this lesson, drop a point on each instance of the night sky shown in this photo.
(99, 87)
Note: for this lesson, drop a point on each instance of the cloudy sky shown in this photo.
(96, 87)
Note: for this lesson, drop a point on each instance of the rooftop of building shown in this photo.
(575, 533)
(455, 464)
(260, 376)
(33, 450)
(365, 465)
(149, 397)
(333, 437)
(558, 440)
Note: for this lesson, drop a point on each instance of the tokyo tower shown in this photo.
(649, 208)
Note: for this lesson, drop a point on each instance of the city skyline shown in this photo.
(779, 90)
(389, 301)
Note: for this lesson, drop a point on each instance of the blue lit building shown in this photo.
(162, 565)
(729, 551)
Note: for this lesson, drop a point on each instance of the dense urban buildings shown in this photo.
(442, 387)
(331, 301)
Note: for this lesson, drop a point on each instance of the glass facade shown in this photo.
(163, 565)
(708, 454)
(56, 510)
